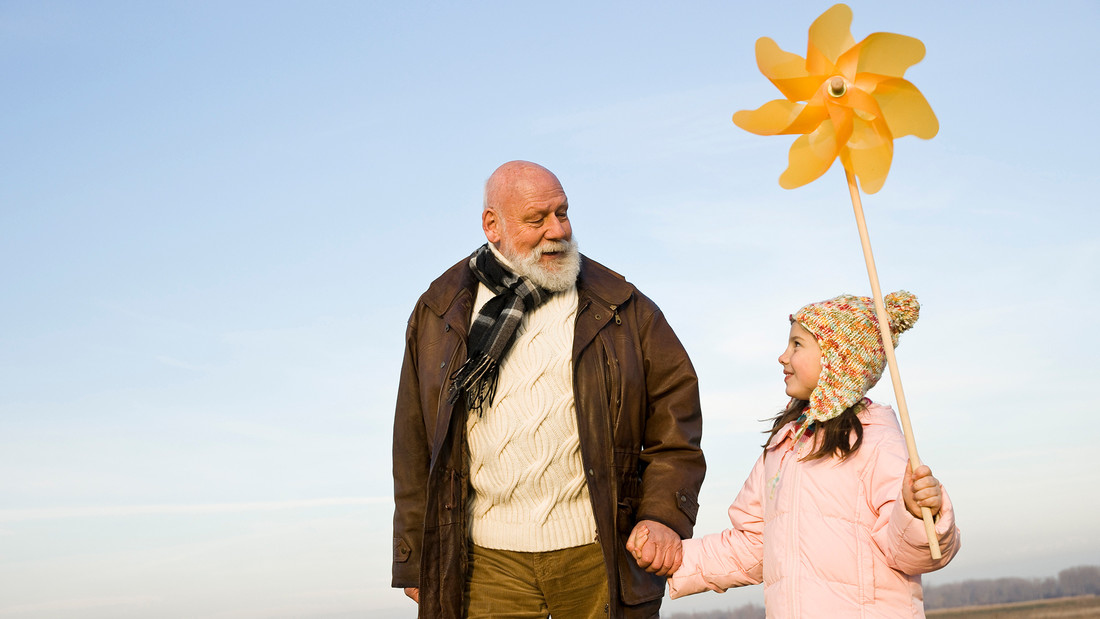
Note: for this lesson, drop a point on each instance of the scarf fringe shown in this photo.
(479, 372)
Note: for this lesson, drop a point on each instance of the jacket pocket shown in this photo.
(625, 516)
(608, 371)
(401, 550)
(452, 496)
(687, 503)
(636, 586)
(614, 390)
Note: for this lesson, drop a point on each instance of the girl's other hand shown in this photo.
(921, 489)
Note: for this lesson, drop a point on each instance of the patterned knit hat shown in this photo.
(852, 356)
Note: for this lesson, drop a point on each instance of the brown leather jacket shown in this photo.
(637, 402)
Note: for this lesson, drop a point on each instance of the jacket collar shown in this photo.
(601, 292)
(782, 434)
(595, 282)
(448, 287)
(451, 297)
(601, 284)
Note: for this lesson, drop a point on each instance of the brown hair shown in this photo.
(831, 437)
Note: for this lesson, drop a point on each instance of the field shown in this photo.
(1061, 608)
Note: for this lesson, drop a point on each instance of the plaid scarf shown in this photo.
(494, 329)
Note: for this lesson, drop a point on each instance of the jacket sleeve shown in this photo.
(899, 535)
(732, 558)
(411, 457)
(674, 464)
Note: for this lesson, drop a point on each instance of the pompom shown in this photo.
(903, 309)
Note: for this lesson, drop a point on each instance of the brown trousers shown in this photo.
(565, 584)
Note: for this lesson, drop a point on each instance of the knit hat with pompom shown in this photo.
(852, 356)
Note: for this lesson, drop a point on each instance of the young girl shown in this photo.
(829, 519)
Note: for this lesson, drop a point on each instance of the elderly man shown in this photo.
(545, 410)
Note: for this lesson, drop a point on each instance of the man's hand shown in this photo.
(413, 593)
(657, 548)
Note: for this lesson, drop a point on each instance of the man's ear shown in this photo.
(490, 223)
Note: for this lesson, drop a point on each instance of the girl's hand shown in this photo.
(637, 540)
(920, 489)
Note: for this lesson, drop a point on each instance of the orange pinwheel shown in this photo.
(846, 99)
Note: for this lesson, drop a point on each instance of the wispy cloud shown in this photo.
(13, 515)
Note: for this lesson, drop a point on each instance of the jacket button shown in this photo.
(446, 328)
(591, 472)
(443, 364)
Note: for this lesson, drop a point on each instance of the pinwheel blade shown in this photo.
(810, 156)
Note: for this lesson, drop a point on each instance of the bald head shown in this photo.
(515, 180)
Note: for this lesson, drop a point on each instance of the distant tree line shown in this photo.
(1080, 580)
(1074, 581)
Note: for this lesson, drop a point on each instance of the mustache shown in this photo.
(550, 247)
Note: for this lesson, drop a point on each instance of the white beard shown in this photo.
(562, 277)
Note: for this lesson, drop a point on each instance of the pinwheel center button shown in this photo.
(837, 86)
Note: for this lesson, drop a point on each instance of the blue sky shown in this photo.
(215, 219)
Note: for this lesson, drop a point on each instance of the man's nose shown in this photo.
(557, 229)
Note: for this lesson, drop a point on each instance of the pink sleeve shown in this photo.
(897, 533)
(909, 544)
(732, 558)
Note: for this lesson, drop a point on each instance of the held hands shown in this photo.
(657, 548)
(920, 489)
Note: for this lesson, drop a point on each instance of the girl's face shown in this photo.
(801, 363)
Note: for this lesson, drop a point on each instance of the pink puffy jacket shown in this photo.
(828, 538)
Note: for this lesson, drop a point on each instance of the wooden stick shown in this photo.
(891, 360)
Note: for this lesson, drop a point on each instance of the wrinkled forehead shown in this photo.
(525, 198)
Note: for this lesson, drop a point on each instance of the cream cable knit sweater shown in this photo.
(530, 493)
